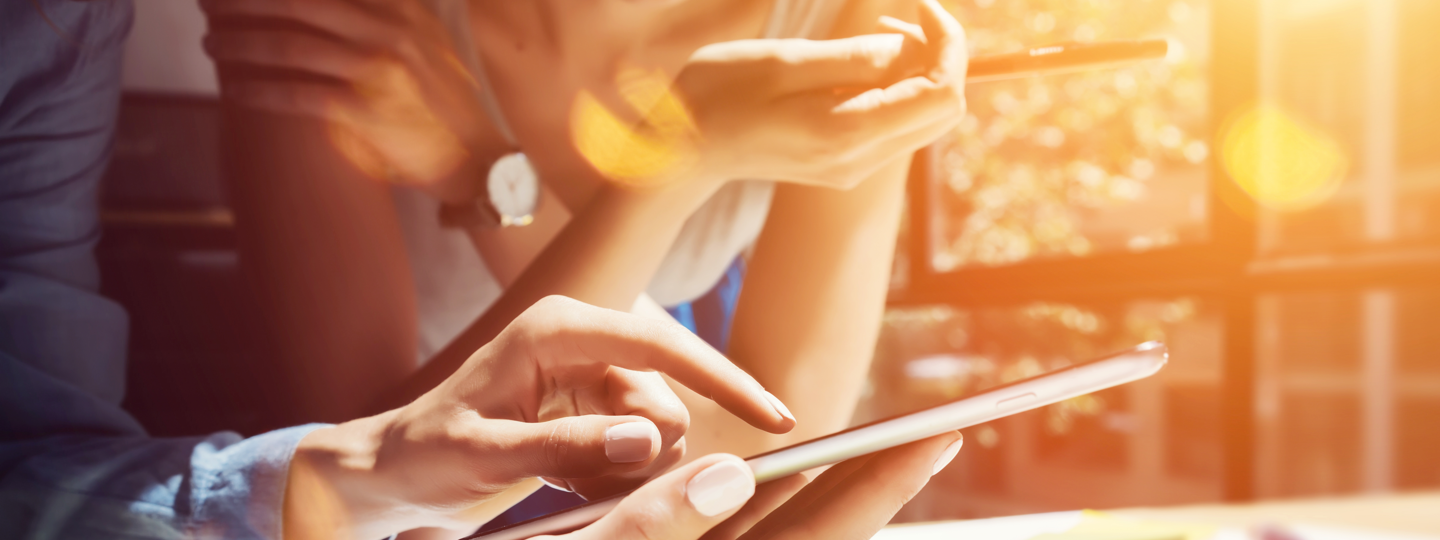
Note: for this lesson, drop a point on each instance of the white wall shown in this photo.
(164, 53)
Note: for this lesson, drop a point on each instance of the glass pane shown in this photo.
(1152, 442)
(1348, 392)
(1070, 165)
(1343, 149)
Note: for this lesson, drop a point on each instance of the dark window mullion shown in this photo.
(1192, 268)
(1234, 85)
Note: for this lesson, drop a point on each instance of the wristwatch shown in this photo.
(512, 192)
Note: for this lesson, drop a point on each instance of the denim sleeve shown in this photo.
(73, 464)
(87, 486)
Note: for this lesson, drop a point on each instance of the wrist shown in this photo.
(681, 194)
(333, 489)
(465, 182)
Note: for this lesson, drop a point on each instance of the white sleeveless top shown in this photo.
(453, 287)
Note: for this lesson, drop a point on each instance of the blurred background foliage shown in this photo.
(1039, 162)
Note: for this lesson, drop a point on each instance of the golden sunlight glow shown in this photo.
(1279, 161)
(664, 142)
(392, 133)
(356, 150)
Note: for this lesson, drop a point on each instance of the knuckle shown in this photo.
(456, 434)
(771, 69)
(543, 307)
(556, 301)
(648, 522)
(672, 423)
(554, 313)
(558, 446)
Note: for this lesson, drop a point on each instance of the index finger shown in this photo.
(577, 333)
(946, 40)
(799, 65)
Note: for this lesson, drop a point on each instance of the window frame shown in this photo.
(1225, 268)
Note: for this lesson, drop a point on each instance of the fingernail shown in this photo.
(720, 488)
(779, 407)
(947, 456)
(631, 442)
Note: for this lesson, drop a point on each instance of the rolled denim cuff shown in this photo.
(238, 487)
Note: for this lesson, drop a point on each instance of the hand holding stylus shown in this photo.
(567, 391)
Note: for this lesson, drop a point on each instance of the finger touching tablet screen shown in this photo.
(1129, 365)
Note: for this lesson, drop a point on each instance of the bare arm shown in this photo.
(790, 124)
(809, 313)
(322, 247)
(810, 309)
(604, 256)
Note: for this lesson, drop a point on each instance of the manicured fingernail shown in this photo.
(779, 407)
(947, 456)
(631, 442)
(720, 488)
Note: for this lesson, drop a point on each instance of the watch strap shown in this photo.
(476, 213)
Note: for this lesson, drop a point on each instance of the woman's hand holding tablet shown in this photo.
(1119, 368)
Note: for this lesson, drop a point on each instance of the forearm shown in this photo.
(508, 251)
(605, 256)
(321, 244)
(810, 310)
(332, 491)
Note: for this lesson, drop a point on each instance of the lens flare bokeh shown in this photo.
(1278, 160)
(649, 153)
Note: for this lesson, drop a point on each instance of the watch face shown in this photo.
(514, 189)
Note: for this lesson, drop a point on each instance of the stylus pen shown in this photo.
(1063, 58)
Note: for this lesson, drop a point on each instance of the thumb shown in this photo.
(577, 446)
(681, 505)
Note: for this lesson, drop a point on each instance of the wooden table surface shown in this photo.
(1407, 515)
(1414, 513)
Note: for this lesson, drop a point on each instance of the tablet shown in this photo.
(1132, 364)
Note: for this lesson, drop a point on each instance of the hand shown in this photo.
(384, 74)
(826, 113)
(562, 392)
(715, 498)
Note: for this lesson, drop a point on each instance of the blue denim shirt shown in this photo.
(72, 463)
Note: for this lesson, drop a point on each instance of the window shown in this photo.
(1266, 200)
